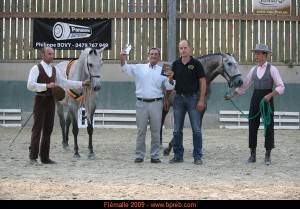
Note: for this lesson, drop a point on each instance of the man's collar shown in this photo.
(45, 64)
(154, 66)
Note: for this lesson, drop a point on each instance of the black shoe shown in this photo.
(155, 161)
(268, 161)
(33, 162)
(176, 160)
(268, 157)
(138, 160)
(252, 158)
(48, 161)
(198, 161)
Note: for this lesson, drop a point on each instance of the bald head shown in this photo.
(47, 54)
(184, 48)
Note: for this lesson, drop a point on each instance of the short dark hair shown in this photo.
(43, 49)
(155, 48)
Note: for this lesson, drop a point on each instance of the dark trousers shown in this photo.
(44, 112)
(254, 123)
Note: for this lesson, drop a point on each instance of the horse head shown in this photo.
(93, 66)
(230, 70)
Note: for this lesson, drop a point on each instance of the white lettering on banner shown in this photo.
(64, 45)
(70, 45)
(42, 44)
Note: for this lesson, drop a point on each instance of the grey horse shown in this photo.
(87, 66)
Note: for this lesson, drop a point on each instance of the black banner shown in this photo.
(72, 33)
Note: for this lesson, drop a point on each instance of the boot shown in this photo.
(268, 157)
(32, 161)
(252, 158)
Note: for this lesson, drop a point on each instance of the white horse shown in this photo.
(87, 66)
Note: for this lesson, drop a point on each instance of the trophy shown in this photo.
(165, 68)
(127, 49)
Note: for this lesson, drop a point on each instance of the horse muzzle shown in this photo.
(237, 82)
(96, 88)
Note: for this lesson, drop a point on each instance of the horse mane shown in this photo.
(82, 56)
(210, 55)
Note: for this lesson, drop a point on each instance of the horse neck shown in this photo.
(78, 70)
(212, 69)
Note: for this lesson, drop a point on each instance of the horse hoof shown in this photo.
(66, 148)
(76, 155)
(91, 157)
(166, 152)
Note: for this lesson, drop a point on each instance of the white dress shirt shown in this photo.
(148, 80)
(60, 80)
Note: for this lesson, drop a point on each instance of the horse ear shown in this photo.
(233, 54)
(99, 51)
(223, 54)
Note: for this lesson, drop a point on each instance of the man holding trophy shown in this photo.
(149, 81)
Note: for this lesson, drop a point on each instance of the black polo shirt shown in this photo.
(187, 76)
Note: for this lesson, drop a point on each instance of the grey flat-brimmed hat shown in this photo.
(261, 48)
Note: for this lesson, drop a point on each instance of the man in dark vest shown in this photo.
(43, 77)
(263, 76)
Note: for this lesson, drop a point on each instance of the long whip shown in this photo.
(21, 129)
(25, 124)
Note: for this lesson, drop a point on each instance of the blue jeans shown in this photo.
(181, 105)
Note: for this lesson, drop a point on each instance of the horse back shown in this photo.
(62, 66)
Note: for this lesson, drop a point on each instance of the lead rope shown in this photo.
(86, 93)
(265, 113)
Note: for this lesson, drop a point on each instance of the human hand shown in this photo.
(86, 83)
(200, 106)
(166, 104)
(123, 53)
(228, 96)
(50, 85)
(267, 98)
(169, 73)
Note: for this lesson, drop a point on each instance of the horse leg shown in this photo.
(91, 106)
(168, 149)
(90, 130)
(164, 114)
(75, 131)
(68, 123)
(62, 122)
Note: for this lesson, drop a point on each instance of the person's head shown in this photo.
(47, 54)
(184, 48)
(261, 52)
(154, 55)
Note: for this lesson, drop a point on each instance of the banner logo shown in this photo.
(65, 31)
(72, 34)
(272, 7)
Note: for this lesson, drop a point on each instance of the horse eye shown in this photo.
(90, 65)
(229, 63)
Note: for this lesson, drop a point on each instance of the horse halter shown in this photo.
(88, 67)
(227, 77)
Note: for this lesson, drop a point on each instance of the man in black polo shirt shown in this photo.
(190, 91)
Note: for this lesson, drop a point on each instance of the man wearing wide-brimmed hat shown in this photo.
(263, 76)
